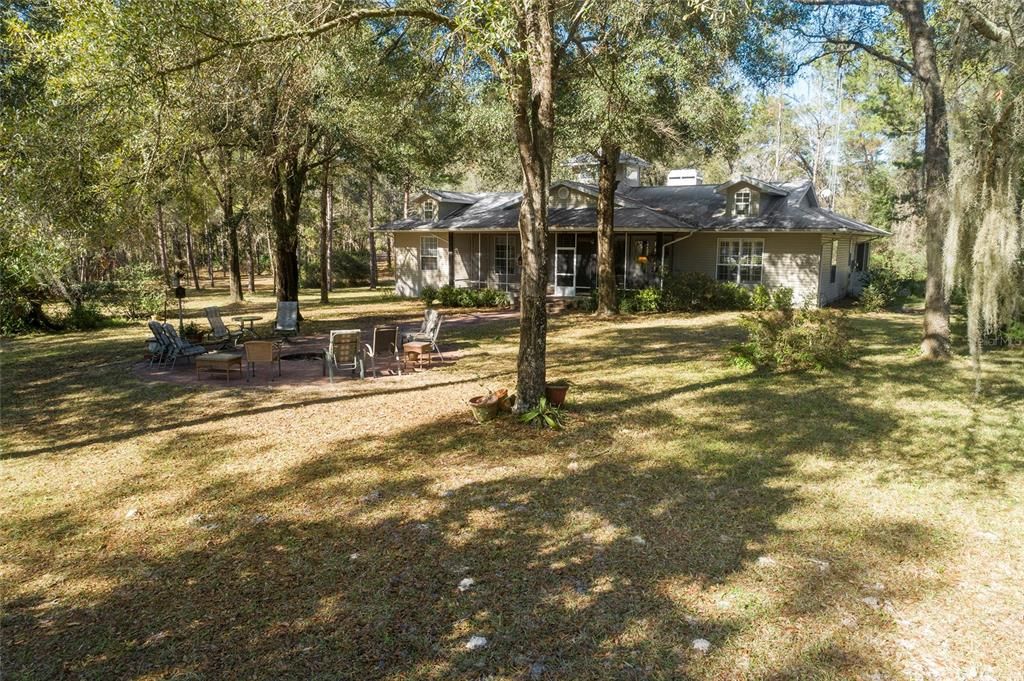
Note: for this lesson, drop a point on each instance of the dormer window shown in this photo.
(429, 210)
(741, 204)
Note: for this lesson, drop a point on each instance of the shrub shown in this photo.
(761, 298)
(350, 268)
(309, 275)
(643, 301)
(873, 299)
(729, 296)
(428, 294)
(782, 299)
(84, 317)
(689, 292)
(448, 296)
(809, 339)
(139, 292)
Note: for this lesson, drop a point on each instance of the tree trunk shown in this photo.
(608, 162)
(231, 220)
(209, 252)
(190, 253)
(935, 343)
(373, 244)
(532, 98)
(273, 265)
(251, 250)
(285, 202)
(162, 242)
(325, 231)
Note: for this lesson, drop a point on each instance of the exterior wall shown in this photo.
(790, 260)
(409, 278)
(858, 279)
(830, 291)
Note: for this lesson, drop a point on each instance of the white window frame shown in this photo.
(505, 265)
(735, 258)
(749, 196)
(834, 263)
(429, 210)
(426, 255)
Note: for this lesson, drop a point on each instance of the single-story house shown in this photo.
(745, 231)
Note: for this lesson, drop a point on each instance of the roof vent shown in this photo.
(684, 177)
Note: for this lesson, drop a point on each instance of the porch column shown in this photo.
(451, 259)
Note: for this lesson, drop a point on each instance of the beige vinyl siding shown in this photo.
(409, 279)
(790, 260)
(833, 291)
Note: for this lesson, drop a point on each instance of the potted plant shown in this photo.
(556, 391)
(193, 333)
(485, 407)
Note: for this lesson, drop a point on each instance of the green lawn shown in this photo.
(859, 524)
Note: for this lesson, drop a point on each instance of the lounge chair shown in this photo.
(344, 353)
(262, 351)
(179, 347)
(287, 323)
(162, 342)
(383, 350)
(219, 333)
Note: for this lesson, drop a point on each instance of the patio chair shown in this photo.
(344, 353)
(262, 351)
(219, 333)
(432, 337)
(162, 350)
(383, 350)
(430, 317)
(179, 347)
(287, 323)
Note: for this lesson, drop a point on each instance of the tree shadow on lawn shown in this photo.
(595, 571)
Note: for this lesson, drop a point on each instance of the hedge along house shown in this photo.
(746, 231)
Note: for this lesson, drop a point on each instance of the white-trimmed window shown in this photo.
(835, 261)
(428, 253)
(741, 203)
(741, 261)
(504, 255)
(430, 210)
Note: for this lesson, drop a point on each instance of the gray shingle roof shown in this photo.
(680, 208)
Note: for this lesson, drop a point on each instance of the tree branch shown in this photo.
(353, 17)
(983, 25)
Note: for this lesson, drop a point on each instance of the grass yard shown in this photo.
(860, 524)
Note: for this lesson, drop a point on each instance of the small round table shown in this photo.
(250, 331)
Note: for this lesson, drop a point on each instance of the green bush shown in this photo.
(809, 339)
(761, 298)
(450, 296)
(729, 296)
(645, 300)
(84, 317)
(782, 299)
(350, 268)
(873, 298)
(138, 292)
(428, 294)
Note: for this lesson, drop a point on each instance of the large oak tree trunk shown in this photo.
(935, 343)
(608, 162)
(231, 220)
(251, 253)
(285, 202)
(532, 99)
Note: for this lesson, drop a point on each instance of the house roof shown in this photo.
(760, 185)
(790, 207)
(591, 160)
(451, 197)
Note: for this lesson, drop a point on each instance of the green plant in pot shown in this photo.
(193, 333)
(556, 391)
(544, 414)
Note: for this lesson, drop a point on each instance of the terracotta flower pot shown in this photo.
(484, 407)
(556, 393)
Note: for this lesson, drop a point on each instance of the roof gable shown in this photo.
(753, 182)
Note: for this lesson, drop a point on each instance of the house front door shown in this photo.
(565, 271)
